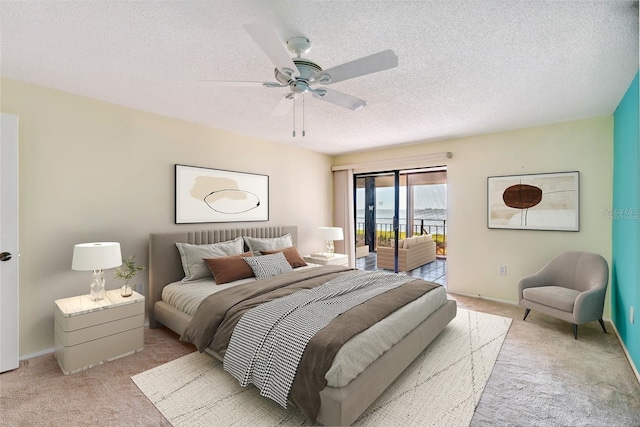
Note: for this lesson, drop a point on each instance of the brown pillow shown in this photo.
(229, 268)
(291, 254)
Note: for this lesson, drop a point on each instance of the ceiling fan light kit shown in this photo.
(300, 74)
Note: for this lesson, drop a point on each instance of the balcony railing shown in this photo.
(384, 233)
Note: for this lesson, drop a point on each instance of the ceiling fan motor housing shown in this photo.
(306, 68)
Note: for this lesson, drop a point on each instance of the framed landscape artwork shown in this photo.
(214, 195)
(548, 201)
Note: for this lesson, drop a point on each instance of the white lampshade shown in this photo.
(96, 256)
(331, 233)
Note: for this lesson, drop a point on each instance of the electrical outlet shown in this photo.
(631, 315)
(502, 270)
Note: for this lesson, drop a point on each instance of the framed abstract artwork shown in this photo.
(215, 195)
(547, 201)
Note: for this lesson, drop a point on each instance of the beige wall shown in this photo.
(93, 171)
(474, 251)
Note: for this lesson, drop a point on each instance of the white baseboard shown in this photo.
(501, 300)
(38, 353)
(626, 353)
(483, 297)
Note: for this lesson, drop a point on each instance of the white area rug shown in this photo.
(441, 387)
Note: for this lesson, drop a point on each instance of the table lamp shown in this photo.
(330, 234)
(96, 257)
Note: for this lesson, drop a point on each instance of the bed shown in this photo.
(339, 405)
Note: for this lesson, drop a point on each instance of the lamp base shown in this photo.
(329, 248)
(96, 292)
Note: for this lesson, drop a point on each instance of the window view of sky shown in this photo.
(426, 196)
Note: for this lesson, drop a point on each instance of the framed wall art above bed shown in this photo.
(546, 201)
(215, 195)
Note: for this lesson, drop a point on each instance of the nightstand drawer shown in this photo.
(73, 323)
(92, 353)
(79, 336)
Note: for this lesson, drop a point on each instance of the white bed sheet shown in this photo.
(187, 297)
(357, 353)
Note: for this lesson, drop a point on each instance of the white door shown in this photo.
(8, 242)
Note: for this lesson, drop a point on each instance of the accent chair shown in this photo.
(570, 287)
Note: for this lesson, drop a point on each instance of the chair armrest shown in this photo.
(589, 305)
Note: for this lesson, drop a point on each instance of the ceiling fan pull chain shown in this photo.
(294, 116)
(303, 115)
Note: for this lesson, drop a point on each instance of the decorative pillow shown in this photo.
(400, 243)
(229, 268)
(258, 244)
(192, 256)
(409, 241)
(291, 254)
(269, 265)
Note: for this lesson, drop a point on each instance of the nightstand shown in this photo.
(89, 333)
(337, 259)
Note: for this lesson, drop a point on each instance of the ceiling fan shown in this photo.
(303, 76)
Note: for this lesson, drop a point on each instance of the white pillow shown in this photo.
(409, 241)
(258, 244)
(400, 243)
(266, 266)
(192, 256)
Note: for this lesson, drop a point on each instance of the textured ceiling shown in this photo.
(465, 67)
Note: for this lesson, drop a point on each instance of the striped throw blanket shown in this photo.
(269, 340)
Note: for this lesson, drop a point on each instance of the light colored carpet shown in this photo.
(543, 377)
(441, 387)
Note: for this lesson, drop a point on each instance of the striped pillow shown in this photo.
(269, 265)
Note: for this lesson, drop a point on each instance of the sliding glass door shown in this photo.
(394, 205)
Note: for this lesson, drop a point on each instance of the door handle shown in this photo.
(5, 256)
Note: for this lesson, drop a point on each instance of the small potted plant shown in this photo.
(126, 272)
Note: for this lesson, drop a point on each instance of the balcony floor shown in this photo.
(435, 271)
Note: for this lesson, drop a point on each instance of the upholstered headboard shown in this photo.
(164, 259)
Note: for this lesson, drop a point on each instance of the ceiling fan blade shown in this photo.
(341, 99)
(272, 46)
(367, 65)
(225, 83)
(283, 106)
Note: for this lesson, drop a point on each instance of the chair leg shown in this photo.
(575, 331)
(526, 313)
(602, 324)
